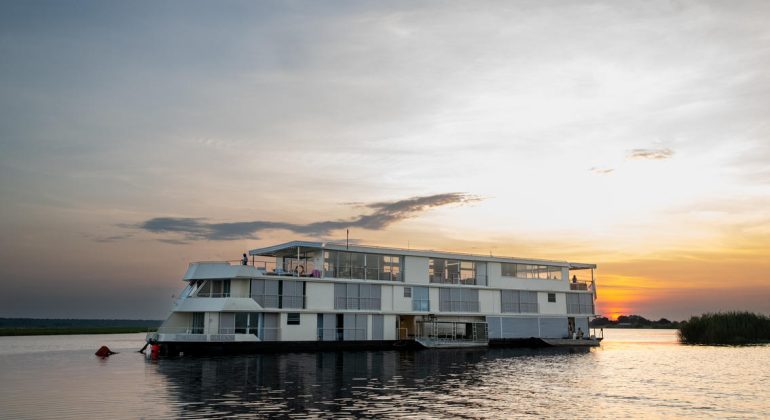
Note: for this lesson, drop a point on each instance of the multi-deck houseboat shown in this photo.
(314, 296)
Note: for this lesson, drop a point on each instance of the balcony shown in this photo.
(586, 285)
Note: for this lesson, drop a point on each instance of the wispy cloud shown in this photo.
(385, 214)
(601, 171)
(652, 154)
(108, 239)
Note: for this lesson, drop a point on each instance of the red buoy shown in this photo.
(104, 351)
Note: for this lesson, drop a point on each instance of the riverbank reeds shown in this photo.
(726, 328)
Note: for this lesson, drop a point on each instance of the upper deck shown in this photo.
(325, 261)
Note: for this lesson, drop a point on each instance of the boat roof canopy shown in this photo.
(291, 248)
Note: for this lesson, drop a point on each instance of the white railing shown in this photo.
(576, 308)
(478, 279)
(212, 295)
(342, 302)
(180, 330)
(458, 306)
(453, 331)
(197, 333)
(581, 285)
(362, 273)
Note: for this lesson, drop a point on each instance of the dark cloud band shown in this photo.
(385, 214)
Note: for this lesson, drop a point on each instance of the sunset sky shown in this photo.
(136, 137)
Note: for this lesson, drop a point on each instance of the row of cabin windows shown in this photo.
(450, 300)
(356, 265)
(291, 294)
(451, 271)
(529, 271)
(388, 268)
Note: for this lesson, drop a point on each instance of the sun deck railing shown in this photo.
(362, 273)
(581, 285)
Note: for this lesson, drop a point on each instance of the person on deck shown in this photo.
(245, 260)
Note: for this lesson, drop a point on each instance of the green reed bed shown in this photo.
(726, 328)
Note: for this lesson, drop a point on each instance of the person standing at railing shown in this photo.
(574, 279)
(245, 260)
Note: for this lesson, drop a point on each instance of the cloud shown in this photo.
(652, 154)
(385, 214)
(108, 239)
(601, 171)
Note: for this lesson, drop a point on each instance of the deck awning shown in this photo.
(286, 248)
(302, 247)
(581, 266)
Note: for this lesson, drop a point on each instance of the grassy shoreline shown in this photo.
(22, 331)
(731, 328)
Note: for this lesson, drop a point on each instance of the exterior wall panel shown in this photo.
(416, 270)
(519, 327)
(377, 327)
(494, 326)
(305, 331)
(400, 303)
(489, 301)
(553, 327)
(552, 308)
(320, 296)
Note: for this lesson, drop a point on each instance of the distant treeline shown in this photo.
(48, 326)
(726, 328)
(633, 321)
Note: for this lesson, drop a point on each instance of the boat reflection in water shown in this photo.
(376, 383)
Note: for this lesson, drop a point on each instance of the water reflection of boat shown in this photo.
(302, 296)
(349, 383)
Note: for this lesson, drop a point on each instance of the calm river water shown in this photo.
(635, 374)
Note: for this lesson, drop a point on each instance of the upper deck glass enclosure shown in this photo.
(316, 259)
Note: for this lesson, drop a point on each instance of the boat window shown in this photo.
(197, 323)
(449, 271)
(518, 301)
(220, 288)
(420, 299)
(458, 300)
(531, 271)
(205, 289)
(552, 297)
(356, 265)
(357, 296)
(580, 303)
(270, 293)
(292, 318)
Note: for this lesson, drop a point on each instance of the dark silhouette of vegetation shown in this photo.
(73, 331)
(726, 328)
(632, 321)
(37, 326)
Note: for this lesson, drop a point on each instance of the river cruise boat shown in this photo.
(303, 296)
